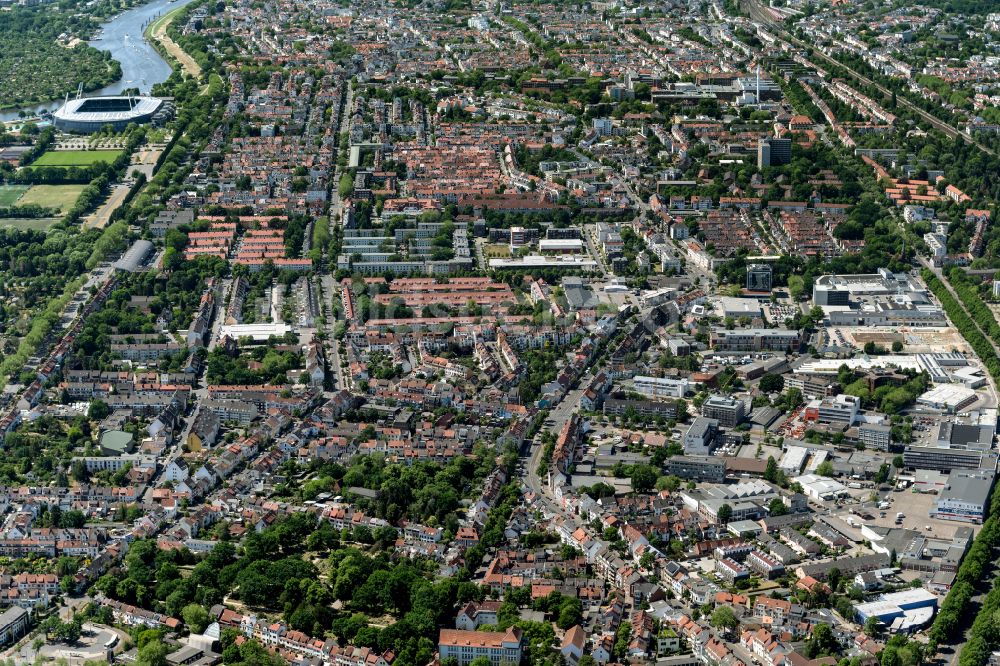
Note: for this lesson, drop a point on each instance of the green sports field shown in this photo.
(9, 194)
(52, 196)
(66, 158)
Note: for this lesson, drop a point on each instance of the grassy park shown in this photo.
(80, 158)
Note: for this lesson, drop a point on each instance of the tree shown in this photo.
(822, 642)
(98, 410)
(67, 584)
(725, 513)
(890, 656)
(771, 471)
(79, 471)
(897, 346)
(570, 613)
(195, 617)
(872, 626)
(776, 507)
(796, 286)
(480, 661)
(825, 468)
(834, 578)
(671, 483)
(643, 478)
(897, 462)
(724, 618)
(771, 383)
(346, 185)
(882, 475)
(153, 653)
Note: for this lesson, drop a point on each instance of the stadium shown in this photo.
(91, 114)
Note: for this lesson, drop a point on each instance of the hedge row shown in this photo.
(969, 295)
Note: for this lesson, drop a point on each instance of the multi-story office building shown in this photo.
(660, 387)
(699, 468)
(14, 623)
(957, 446)
(773, 151)
(729, 412)
(875, 436)
(759, 277)
(842, 409)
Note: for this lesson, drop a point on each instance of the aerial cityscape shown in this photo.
(499, 333)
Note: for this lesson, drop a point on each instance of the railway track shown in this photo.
(758, 13)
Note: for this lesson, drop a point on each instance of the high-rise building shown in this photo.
(759, 277)
(773, 151)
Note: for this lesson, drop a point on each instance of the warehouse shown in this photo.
(135, 256)
(904, 611)
(820, 487)
(950, 398)
(965, 496)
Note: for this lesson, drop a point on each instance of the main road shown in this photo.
(554, 422)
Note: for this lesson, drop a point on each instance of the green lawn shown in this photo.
(52, 196)
(75, 157)
(9, 194)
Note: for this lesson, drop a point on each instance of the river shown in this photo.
(142, 66)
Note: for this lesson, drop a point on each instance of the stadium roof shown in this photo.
(70, 111)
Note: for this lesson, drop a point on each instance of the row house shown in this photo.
(765, 565)
(347, 517)
(731, 570)
(131, 616)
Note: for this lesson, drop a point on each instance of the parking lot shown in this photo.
(915, 508)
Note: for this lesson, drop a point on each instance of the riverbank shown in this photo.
(156, 34)
(142, 65)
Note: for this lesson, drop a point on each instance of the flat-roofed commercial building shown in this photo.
(698, 468)
(836, 409)
(957, 446)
